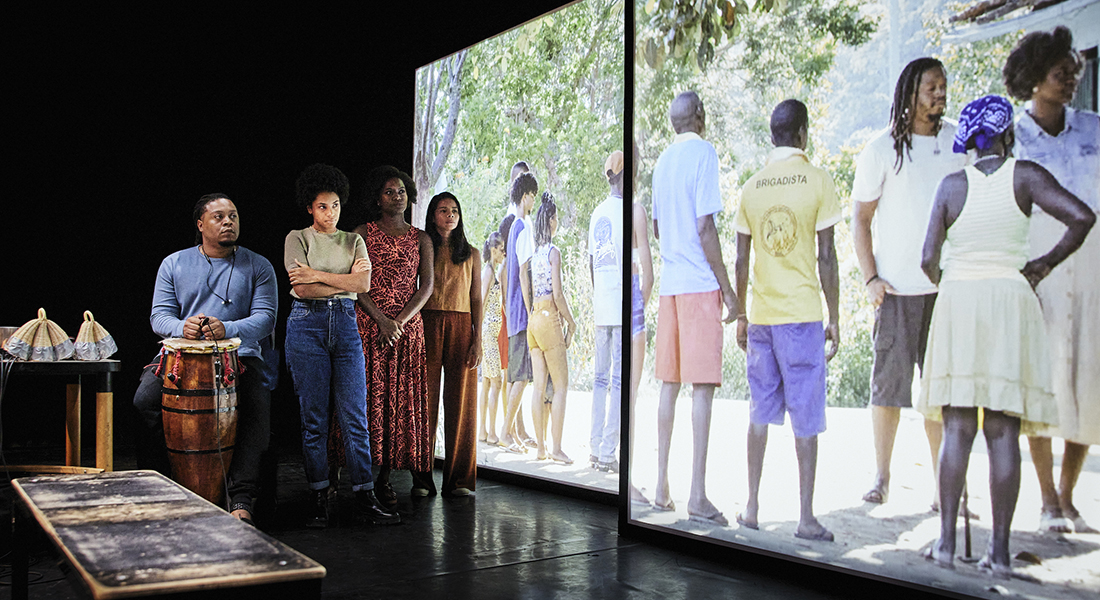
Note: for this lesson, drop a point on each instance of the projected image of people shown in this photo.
(526, 131)
(908, 225)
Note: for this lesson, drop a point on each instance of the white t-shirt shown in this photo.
(525, 243)
(685, 187)
(904, 201)
(605, 246)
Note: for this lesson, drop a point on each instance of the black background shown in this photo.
(119, 116)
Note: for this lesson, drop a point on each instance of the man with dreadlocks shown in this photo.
(895, 183)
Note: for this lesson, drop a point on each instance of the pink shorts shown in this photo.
(689, 338)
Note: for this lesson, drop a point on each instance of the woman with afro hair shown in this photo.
(1044, 69)
(328, 268)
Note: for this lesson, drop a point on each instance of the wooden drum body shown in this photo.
(199, 411)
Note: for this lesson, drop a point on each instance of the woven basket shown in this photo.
(40, 340)
(92, 341)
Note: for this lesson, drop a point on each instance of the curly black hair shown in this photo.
(460, 246)
(376, 180)
(200, 210)
(547, 210)
(523, 184)
(1034, 56)
(319, 179)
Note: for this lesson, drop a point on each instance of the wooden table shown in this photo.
(104, 406)
(132, 534)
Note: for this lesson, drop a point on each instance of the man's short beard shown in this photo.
(227, 244)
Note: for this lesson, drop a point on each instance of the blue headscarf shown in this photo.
(982, 120)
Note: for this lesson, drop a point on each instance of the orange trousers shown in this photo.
(447, 339)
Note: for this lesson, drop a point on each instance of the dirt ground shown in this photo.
(885, 540)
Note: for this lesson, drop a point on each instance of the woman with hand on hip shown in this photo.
(987, 344)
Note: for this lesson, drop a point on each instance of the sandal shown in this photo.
(1048, 521)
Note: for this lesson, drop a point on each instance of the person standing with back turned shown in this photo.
(694, 287)
(783, 209)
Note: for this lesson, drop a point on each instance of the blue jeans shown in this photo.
(606, 415)
(323, 353)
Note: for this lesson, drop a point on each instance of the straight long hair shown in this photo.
(460, 247)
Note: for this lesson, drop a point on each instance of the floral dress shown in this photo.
(490, 329)
(396, 401)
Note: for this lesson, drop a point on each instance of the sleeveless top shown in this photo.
(451, 288)
(493, 308)
(541, 279)
(989, 238)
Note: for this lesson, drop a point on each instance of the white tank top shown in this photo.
(989, 239)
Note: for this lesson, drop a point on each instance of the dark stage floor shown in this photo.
(503, 542)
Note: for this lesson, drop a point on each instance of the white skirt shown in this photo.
(987, 347)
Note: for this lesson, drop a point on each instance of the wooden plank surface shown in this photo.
(132, 533)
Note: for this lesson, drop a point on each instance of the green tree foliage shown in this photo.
(550, 93)
(778, 51)
(974, 68)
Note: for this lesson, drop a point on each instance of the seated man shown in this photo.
(217, 290)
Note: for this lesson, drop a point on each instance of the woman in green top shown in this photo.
(327, 269)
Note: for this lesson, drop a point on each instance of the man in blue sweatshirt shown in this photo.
(217, 290)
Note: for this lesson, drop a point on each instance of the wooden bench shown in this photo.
(136, 534)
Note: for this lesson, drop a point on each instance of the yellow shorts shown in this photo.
(544, 331)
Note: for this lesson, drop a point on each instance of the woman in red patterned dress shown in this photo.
(393, 332)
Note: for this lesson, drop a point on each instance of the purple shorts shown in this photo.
(786, 372)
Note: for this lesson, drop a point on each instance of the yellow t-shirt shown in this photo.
(783, 207)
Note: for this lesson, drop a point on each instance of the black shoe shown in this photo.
(368, 508)
(318, 509)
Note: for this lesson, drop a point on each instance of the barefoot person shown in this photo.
(1044, 69)
(549, 312)
(489, 399)
(694, 288)
(641, 286)
(782, 208)
(987, 344)
(895, 181)
(517, 302)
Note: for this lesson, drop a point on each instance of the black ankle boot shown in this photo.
(368, 508)
(317, 516)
